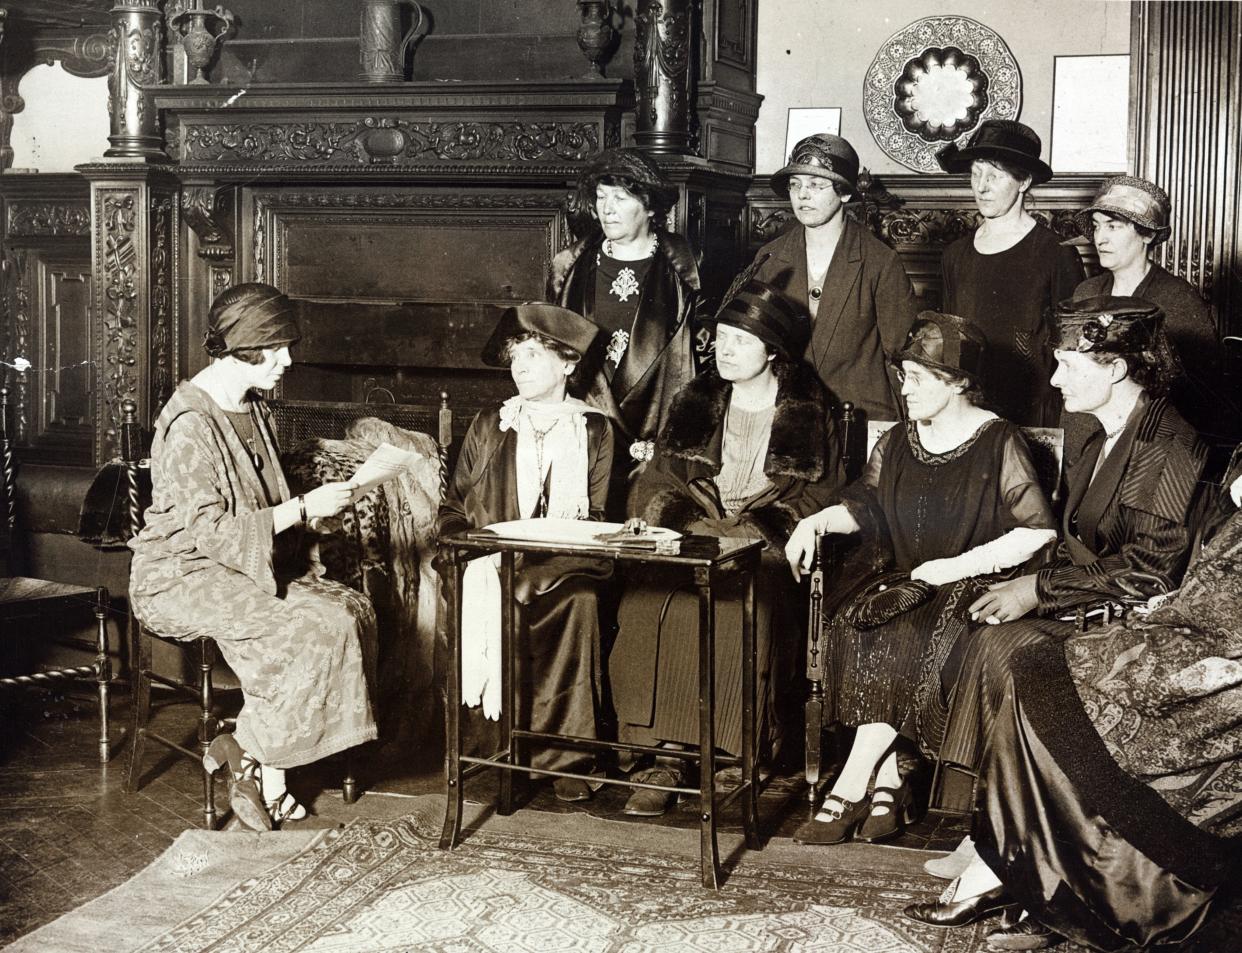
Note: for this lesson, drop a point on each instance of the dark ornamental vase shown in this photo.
(596, 33)
(202, 32)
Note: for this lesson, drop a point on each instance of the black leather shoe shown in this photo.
(837, 827)
(1024, 935)
(960, 913)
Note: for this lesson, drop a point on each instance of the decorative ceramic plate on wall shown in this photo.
(933, 82)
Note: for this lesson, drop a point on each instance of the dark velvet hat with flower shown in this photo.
(561, 325)
(768, 314)
(822, 154)
(1109, 324)
(1003, 139)
(1133, 199)
(945, 342)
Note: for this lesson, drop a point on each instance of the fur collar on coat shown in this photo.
(799, 442)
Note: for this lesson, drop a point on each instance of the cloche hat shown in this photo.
(945, 342)
(820, 154)
(1136, 200)
(769, 315)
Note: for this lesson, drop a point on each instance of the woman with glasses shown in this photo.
(852, 284)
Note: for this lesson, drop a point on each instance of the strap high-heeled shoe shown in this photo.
(837, 827)
(877, 827)
(244, 796)
(285, 808)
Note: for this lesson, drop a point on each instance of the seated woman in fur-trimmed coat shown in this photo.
(747, 451)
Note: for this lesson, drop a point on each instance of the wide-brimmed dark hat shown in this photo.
(560, 324)
(768, 314)
(822, 154)
(1003, 139)
(631, 164)
(945, 342)
(1136, 200)
(1109, 324)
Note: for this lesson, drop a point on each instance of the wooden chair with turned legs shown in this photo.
(26, 603)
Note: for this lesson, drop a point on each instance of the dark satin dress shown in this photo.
(922, 506)
(1110, 798)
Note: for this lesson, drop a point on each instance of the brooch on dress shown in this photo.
(617, 345)
(642, 450)
(625, 284)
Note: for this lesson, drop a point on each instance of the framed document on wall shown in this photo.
(805, 122)
(1090, 113)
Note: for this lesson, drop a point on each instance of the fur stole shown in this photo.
(799, 443)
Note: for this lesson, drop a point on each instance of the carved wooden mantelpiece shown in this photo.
(434, 130)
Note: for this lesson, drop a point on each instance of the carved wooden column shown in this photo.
(134, 226)
(1187, 122)
(138, 37)
(664, 37)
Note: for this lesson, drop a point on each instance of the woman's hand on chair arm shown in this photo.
(800, 550)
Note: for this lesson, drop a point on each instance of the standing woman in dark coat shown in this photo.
(1111, 792)
(1008, 276)
(640, 284)
(852, 285)
(1126, 220)
(749, 449)
(539, 454)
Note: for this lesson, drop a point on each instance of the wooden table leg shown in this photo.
(709, 849)
(508, 679)
(750, 773)
(452, 703)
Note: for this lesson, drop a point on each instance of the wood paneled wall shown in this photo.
(1187, 123)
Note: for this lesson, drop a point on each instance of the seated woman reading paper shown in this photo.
(222, 555)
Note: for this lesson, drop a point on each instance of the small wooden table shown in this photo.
(708, 560)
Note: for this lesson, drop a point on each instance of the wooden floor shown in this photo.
(69, 832)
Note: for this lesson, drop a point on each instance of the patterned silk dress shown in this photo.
(208, 564)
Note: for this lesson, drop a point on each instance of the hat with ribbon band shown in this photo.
(822, 154)
(1003, 139)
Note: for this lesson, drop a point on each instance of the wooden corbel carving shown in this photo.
(208, 210)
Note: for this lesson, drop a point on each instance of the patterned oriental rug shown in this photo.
(384, 886)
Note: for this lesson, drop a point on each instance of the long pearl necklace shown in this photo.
(541, 507)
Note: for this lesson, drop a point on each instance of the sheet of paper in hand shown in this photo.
(582, 532)
(384, 463)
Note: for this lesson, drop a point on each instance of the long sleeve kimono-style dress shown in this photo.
(208, 564)
(913, 506)
(559, 659)
(1111, 791)
(717, 475)
(1127, 530)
